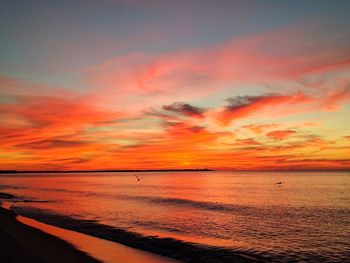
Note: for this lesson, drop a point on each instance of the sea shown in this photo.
(199, 216)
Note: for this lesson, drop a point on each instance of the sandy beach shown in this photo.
(21, 243)
(27, 240)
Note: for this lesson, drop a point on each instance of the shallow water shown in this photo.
(306, 218)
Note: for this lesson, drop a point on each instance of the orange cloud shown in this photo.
(259, 128)
(45, 120)
(280, 135)
(244, 106)
(247, 142)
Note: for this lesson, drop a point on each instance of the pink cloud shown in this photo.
(245, 106)
(200, 72)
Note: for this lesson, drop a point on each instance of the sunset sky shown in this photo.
(174, 84)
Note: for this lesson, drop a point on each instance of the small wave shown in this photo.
(17, 199)
(185, 251)
(156, 225)
(6, 186)
(196, 204)
(171, 247)
(213, 206)
(236, 208)
(34, 201)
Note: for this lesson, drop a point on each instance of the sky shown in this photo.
(243, 85)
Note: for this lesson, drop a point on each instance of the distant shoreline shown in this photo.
(163, 170)
(107, 171)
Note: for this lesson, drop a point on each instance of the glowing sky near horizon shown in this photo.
(174, 84)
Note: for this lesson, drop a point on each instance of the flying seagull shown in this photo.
(138, 178)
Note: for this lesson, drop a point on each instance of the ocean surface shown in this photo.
(305, 218)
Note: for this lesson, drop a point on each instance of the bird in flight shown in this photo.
(138, 178)
(279, 183)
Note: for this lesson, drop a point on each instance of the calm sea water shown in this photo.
(306, 218)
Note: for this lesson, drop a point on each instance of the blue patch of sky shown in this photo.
(53, 37)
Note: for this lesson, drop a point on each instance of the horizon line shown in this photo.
(171, 170)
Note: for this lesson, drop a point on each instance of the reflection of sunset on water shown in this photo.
(236, 210)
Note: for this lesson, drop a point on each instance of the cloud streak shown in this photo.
(244, 106)
(185, 109)
(280, 135)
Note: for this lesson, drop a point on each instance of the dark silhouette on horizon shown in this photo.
(107, 171)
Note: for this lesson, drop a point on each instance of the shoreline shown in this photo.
(103, 250)
(98, 242)
(111, 245)
(22, 243)
(29, 240)
(80, 234)
(167, 247)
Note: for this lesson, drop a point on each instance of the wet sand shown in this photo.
(171, 249)
(21, 243)
(26, 240)
(104, 250)
(63, 239)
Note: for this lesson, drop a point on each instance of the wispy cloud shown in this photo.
(245, 106)
(185, 109)
(280, 135)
